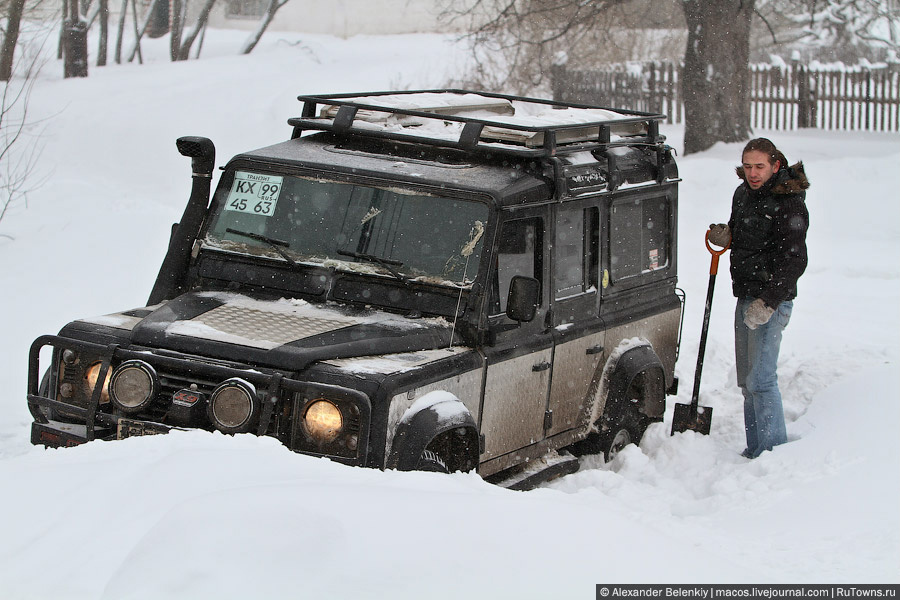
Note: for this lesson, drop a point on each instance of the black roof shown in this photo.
(328, 154)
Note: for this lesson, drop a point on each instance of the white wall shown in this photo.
(343, 18)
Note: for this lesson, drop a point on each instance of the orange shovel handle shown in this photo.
(714, 266)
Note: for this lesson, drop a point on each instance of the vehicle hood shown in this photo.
(277, 333)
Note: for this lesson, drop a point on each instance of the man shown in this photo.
(767, 233)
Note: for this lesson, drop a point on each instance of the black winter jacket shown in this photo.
(768, 236)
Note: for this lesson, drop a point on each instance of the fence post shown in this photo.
(868, 97)
(558, 80)
(803, 108)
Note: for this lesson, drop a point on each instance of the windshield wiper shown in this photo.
(387, 263)
(274, 244)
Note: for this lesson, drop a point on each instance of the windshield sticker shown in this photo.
(254, 193)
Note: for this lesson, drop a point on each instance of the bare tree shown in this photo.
(271, 8)
(185, 49)
(75, 52)
(102, 50)
(14, 12)
(514, 42)
(141, 29)
(832, 30)
(520, 40)
(716, 81)
(20, 145)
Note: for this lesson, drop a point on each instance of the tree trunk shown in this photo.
(102, 51)
(254, 38)
(176, 13)
(716, 80)
(8, 52)
(185, 51)
(149, 18)
(121, 31)
(75, 49)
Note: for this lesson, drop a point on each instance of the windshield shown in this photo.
(393, 232)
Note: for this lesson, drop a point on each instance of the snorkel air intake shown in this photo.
(172, 271)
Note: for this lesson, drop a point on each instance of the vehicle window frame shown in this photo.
(613, 281)
(590, 251)
(539, 266)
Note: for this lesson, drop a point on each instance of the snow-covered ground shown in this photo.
(200, 515)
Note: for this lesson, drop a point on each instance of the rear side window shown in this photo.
(639, 236)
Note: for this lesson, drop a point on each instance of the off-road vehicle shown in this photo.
(438, 280)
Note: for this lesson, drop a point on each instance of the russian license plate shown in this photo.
(131, 428)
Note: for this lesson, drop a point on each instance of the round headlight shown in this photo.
(90, 381)
(133, 386)
(323, 421)
(233, 406)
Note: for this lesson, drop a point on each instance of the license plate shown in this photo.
(131, 428)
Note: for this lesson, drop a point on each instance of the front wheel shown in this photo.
(431, 461)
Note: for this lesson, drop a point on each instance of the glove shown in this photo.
(720, 234)
(757, 314)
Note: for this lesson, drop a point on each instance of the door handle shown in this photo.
(595, 349)
(541, 366)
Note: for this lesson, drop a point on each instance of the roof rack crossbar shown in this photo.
(343, 121)
(471, 134)
(604, 136)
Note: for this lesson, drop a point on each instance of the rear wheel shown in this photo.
(627, 429)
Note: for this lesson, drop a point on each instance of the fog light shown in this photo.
(90, 378)
(66, 390)
(323, 421)
(233, 406)
(133, 386)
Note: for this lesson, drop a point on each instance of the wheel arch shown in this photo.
(439, 422)
(636, 367)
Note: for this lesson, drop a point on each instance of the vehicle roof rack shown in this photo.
(478, 121)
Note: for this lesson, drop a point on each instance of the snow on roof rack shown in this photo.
(478, 121)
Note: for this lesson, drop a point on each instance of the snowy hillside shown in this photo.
(200, 515)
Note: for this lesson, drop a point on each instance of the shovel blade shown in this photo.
(687, 419)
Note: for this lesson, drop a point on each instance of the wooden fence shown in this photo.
(781, 98)
(650, 87)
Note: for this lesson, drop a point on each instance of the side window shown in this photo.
(518, 253)
(575, 261)
(638, 236)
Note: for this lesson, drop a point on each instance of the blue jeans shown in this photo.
(756, 352)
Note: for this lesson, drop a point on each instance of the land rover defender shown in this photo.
(436, 280)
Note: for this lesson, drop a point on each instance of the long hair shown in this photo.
(766, 146)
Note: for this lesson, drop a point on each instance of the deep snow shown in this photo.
(196, 515)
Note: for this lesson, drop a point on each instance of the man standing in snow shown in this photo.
(767, 233)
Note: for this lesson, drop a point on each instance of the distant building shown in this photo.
(343, 18)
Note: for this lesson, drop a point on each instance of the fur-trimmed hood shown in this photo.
(786, 181)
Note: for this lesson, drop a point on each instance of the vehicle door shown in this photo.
(519, 355)
(576, 327)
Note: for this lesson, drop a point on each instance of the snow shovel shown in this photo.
(693, 416)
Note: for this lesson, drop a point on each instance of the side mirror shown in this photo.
(524, 297)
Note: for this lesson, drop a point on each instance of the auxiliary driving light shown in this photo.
(323, 421)
(90, 380)
(133, 386)
(233, 406)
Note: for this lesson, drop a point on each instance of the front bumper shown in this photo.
(278, 390)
